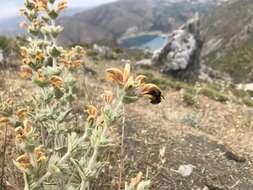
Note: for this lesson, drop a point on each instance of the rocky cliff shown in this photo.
(180, 57)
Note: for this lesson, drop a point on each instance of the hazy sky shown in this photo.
(11, 7)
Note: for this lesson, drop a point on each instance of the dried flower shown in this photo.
(76, 64)
(23, 51)
(41, 5)
(22, 113)
(4, 121)
(40, 77)
(26, 72)
(141, 78)
(92, 113)
(27, 61)
(56, 81)
(62, 5)
(152, 92)
(22, 133)
(108, 96)
(120, 78)
(136, 180)
(40, 154)
(101, 121)
(23, 25)
(39, 56)
(36, 24)
(23, 161)
(23, 12)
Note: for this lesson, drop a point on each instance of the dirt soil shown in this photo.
(215, 139)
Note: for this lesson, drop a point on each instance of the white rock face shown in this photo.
(1, 56)
(102, 50)
(245, 87)
(177, 54)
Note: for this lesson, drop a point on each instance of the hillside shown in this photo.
(212, 137)
(109, 22)
(10, 26)
(229, 39)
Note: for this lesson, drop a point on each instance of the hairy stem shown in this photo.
(3, 163)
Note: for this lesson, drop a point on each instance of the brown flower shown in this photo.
(23, 25)
(101, 121)
(23, 51)
(4, 121)
(36, 24)
(152, 92)
(27, 61)
(39, 56)
(22, 113)
(40, 77)
(76, 64)
(62, 5)
(22, 133)
(40, 154)
(141, 78)
(92, 113)
(136, 180)
(23, 161)
(41, 5)
(56, 81)
(26, 72)
(120, 78)
(23, 12)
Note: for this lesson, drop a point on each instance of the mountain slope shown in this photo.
(111, 21)
(229, 39)
(10, 26)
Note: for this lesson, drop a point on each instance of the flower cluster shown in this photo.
(133, 88)
(51, 151)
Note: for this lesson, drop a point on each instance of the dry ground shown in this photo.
(215, 138)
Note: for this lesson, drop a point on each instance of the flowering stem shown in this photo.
(4, 151)
(122, 148)
(41, 180)
(26, 182)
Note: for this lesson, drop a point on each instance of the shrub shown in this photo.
(214, 94)
(248, 101)
(53, 154)
(189, 98)
(117, 50)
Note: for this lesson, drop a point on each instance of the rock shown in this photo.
(185, 170)
(245, 87)
(1, 56)
(145, 63)
(103, 51)
(232, 155)
(181, 55)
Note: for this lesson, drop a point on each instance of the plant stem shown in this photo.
(3, 163)
(121, 169)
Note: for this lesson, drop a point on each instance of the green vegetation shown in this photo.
(248, 101)
(215, 95)
(6, 45)
(237, 62)
(91, 53)
(189, 98)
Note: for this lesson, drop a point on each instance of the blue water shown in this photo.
(151, 42)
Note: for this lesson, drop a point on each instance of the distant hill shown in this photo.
(10, 26)
(229, 39)
(108, 22)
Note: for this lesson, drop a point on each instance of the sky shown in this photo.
(10, 7)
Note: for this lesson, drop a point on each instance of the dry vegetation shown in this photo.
(212, 136)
